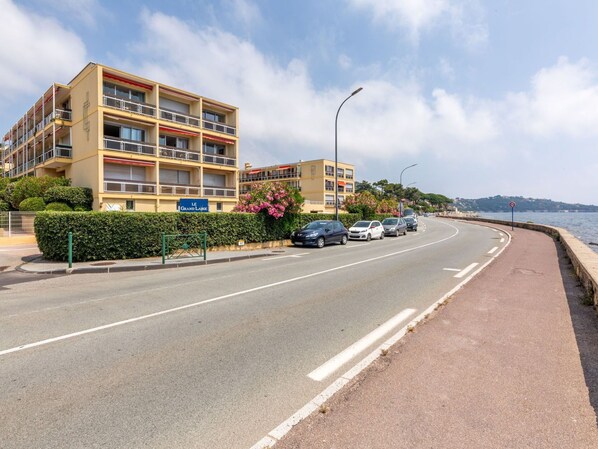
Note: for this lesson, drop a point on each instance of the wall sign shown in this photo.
(193, 205)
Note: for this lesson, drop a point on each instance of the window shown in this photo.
(349, 173)
(214, 180)
(329, 185)
(349, 187)
(213, 116)
(124, 92)
(168, 176)
(329, 170)
(175, 106)
(218, 207)
(124, 132)
(175, 142)
(214, 148)
(130, 205)
(340, 173)
(124, 172)
(330, 200)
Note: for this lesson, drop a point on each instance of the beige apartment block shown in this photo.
(314, 179)
(138, 144)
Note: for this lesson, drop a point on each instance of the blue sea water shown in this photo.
(583, 225)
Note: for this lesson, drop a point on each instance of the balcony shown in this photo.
(177, 153)
(220, 127)
(129, 146)
(220, 191)
(178, 117)
(57, 151)
(127, 186)
(220, 160)
(263, 177)
(180, 190)
(129, 106)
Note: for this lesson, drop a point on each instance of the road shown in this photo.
(212, 356)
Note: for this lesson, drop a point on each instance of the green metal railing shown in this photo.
(176, 246)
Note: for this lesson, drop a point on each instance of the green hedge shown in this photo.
(32, 204)
(81, 197)
(122, 235)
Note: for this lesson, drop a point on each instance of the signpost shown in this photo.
(193, 205)
(512, 206)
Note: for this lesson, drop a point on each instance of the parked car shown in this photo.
(320, 233)
(394, 226)
(411, 223)
(366, 230)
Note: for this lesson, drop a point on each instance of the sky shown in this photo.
(487, 97)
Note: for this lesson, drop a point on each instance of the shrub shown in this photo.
(59, 207)
(81, 197)
(4, 206)
(276, 199)
(32, 204)
(29, 186)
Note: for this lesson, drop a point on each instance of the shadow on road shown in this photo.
(585, 326)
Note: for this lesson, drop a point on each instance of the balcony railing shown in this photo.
(129, 146)
(58, 151)
(348, 176)
(220, 127)
(125, 186)
(220, 160)
(130, 106)
(220, 191)
(177, 153)
(264, 177)
(64, 114)
(177, 117)
(181, 190)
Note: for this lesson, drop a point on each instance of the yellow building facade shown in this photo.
(314, 179)
(138, 144)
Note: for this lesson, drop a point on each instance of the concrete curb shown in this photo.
(144, 267)
(583, 258)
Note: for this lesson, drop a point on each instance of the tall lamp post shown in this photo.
(401, 182)
(336, 152)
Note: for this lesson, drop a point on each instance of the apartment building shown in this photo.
(138, 144)
(314, 179)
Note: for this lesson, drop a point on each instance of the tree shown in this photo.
(363, 203)
(275, 199)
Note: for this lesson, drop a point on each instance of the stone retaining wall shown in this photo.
(584, 260)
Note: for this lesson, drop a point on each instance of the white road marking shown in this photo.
(284, 257)
(502, 240)
(466, 270)
(493, 250)
(325, 370)
(282, 429)
(17, 248)
(218, 298)
(452, 269)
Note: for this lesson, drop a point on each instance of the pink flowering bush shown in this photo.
(275, 199)
(363, 203)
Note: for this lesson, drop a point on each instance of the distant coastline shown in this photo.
(501, 203)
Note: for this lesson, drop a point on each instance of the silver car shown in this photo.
(394, 226)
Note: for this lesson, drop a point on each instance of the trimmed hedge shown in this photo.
(33, 204)
(81, 197)
(59, 207)
(122, 235)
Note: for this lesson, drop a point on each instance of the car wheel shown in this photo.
(397, 233)
(405, 231)
(344, 240)
(381, 236)
(320, 242)
(415, 229)
(369, 237)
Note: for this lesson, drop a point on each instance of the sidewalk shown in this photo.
(510, 362)
(35, 263)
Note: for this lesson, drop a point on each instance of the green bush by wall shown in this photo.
(59, 207)
(32, 204)
(81, 197)
(122, 235)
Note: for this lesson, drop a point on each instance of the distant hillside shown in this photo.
(501, 204)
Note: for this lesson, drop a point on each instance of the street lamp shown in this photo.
(336, 153)
(401, 183)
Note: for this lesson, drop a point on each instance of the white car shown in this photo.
(366, 230)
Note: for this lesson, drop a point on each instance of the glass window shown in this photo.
(218, 207)
(214, 180)
(213, 116)
(130, 205)
(214, 148)
(176, 142)
(168, 176)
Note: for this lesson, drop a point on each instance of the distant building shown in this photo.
(314, 179)
(139, 144)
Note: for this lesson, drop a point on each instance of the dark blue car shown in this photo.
(320, 233)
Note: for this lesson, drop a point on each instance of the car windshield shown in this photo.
(362, 224)
(315, 225)
(390, 221)
(409, 219)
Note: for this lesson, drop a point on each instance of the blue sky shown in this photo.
(488, 97)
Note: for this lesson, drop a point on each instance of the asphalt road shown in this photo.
(211, 356)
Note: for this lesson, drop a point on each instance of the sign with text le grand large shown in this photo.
(193, 205)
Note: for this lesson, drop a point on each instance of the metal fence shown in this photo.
(16, 223)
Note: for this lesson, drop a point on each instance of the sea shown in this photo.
(583, 225)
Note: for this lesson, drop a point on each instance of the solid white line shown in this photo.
(343, 357)
(285, 257)
(452, 269)
(493, 250)
(277, 433)
(502, 240)
(466, 270)
(218, 298)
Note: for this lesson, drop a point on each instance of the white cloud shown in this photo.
(245, 12)
(32, 60)
(344, 62)
(563, 100)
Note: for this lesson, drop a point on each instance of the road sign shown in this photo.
(512, 204)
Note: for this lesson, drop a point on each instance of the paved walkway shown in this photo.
(510, 362)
